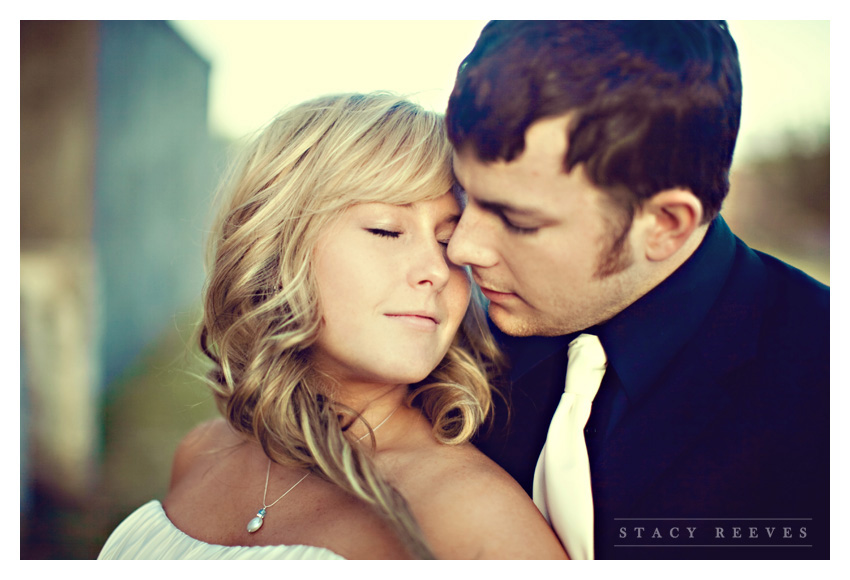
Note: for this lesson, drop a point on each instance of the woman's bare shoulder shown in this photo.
(469, 507)
(200, 444)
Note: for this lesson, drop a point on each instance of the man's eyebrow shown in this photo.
(498, 207)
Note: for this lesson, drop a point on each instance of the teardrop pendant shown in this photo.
(257, 523)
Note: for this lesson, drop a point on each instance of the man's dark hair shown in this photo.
(654, 105)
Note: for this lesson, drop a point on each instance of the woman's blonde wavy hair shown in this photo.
(261, 309)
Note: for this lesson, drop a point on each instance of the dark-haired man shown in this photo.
(595, 158)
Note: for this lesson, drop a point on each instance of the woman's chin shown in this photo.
(408, 376)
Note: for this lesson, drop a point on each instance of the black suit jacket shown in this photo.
(710, 435)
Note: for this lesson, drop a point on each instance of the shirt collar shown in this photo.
(641, 340)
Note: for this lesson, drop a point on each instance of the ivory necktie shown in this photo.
(562, 477)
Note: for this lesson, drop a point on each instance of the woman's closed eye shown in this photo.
(444, 233)
(383, 233)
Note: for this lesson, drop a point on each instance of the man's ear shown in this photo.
(673, 215)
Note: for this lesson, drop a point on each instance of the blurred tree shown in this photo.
(781, 204)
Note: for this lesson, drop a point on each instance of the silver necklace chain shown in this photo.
(378, 426)
(257, 522)
(268, 470)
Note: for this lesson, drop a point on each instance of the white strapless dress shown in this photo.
(148, 534)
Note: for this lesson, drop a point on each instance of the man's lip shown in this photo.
(497, 292)
(496, 296)
(488, 290)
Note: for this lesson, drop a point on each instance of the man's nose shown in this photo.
(472, 241)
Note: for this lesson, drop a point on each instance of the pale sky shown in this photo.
(261, 67)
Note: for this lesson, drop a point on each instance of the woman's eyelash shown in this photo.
(391, 234)
(383, 233)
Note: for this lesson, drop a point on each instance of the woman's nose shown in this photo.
(430, 266)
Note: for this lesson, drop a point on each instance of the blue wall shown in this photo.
(154, 177)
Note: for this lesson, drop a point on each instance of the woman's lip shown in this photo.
(423, 321)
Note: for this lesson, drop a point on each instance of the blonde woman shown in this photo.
(349, 362)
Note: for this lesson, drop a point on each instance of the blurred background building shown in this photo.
(118, 168)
